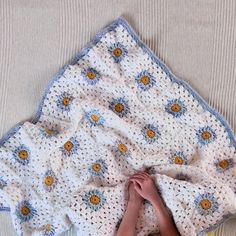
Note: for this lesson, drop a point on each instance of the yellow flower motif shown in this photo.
(96, 167)
(25, 210)
(206, 135)
(151, 133)
(23, 154)
(50, 131)
(119, 107)
(91, 74)
(122, 147)
(205, 204)
(95, 117)
(224, 164)
(68, 145)
(66, 101)
(95, 199)
(178, 160)
(117, 52)
(145, 80)
(49, 180)
(48, 227)
(49, 230)
(175, 107)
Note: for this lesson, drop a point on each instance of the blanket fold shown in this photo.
(115, 109)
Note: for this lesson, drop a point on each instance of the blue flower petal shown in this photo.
(91, 76)
(22, 154)
(94, 117)
(49, 230)
(224, 165)
(179, 158)
(49, 180)
(70, 147)
(64, 101)
(175, 107)
(25, 211)
(119, 106)
(150, 133)
(118, 51)
(145, 80)
(98, 168)
(206, 135)
(94, 199)
(48, 133)
(206, 203)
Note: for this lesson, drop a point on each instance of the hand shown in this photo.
(129, 221)
(133, 195)
(145, 186)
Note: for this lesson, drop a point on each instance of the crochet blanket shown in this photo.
(115, 109)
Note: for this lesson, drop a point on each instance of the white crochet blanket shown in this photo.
(112, 111)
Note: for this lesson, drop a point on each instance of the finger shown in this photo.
(137, 188)
(136, 180)
(145, 175)
(137, 173)
(140, 178)
(143, 172)
(140, 172)
(140, 175)
(139, 181)
(128, 183)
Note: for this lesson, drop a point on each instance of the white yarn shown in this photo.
(116, 110)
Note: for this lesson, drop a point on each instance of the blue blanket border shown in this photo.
(122, 21)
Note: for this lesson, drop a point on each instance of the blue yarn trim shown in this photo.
(2, 208)
(214, 227)
(11, 132)
(121, 21)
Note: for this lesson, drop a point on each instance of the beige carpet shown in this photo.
(195, 38)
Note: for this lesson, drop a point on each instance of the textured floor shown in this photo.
(195, 38)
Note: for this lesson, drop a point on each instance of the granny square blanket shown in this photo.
(114, 110)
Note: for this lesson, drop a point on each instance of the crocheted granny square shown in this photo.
(115, 109)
